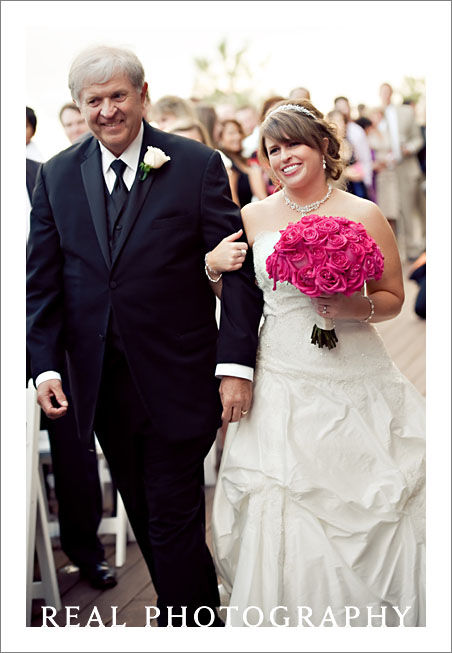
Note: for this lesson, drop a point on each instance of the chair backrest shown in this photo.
(32, 437)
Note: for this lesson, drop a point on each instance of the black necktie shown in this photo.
(120, 192)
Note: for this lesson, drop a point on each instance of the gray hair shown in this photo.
(99, 64)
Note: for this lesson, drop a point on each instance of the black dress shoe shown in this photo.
(100, 576)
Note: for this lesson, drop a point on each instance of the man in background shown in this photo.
(74, 124)
(405, 136)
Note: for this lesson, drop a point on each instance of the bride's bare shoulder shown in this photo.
(258, 216)
(363, 211)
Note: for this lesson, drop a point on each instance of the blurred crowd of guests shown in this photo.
(383, 147)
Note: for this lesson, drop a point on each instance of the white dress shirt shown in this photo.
(34, 153)
(131, 156)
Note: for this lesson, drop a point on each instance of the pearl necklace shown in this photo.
(308, 208)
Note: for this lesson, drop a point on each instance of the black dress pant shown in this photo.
(161, 484)
(77, 489)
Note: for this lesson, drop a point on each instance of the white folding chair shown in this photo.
(37, 532)
(117, 525)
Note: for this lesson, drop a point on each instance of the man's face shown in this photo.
(248, 119)
(385, 94)
(113, 111)
(74, 124)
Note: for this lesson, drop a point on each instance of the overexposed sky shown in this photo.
(333, 48)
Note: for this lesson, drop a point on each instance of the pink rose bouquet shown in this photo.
(325, 255)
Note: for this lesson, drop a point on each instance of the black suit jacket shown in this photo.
(155, 284)
(31, 171)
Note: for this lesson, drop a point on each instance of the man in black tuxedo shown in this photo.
(116, 281)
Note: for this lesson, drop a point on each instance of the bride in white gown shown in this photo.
(318, 516)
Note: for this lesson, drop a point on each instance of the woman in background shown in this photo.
(247, 179)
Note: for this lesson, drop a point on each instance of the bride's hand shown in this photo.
(228, 255)
(353, 307)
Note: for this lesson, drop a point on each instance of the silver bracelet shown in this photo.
(208, 269)
(372, 309)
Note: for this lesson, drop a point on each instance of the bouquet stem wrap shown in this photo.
(323, 333)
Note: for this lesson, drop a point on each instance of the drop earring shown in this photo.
(324, 163)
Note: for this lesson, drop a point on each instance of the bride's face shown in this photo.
(294, 163)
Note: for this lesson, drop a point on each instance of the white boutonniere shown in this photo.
(153, 159)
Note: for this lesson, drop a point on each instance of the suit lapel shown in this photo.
(93, 181)
(137, 196)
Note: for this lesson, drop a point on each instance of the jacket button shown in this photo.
(113, 284)
(101, 337)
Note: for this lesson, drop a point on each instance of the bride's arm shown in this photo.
(227, 256)
(387, 294)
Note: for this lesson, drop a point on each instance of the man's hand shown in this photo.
(236, 395)
(50, 393)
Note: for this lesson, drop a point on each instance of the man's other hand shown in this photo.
(52, 399)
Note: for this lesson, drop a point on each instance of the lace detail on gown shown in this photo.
(320, 496)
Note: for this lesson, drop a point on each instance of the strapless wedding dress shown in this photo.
(320, 498)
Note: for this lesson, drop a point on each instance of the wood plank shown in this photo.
(78, 592)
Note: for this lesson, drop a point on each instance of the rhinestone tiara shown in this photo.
(291, 107)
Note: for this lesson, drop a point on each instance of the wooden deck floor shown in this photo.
(404, 338)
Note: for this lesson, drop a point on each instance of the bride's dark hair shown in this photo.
(292, 125)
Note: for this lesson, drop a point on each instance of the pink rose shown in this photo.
(355, 252)
(356, 278)
(379, 264)
(300, 258)
(283, 269)
(329, 280)
(291, 235)
(336, 241)
(270, 266)
(318, 255)
(308, 219)
(312, 235)
(359, 228)
(367, 243)
(350, 234)
(306, 280)
(369, 267)
(339, 261)
(328, 226)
